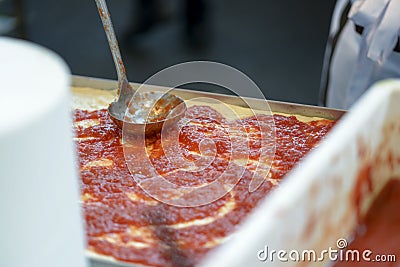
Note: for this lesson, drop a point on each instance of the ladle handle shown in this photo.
(112, 39)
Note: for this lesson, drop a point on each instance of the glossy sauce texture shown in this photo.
(379, 230)
(125, 223)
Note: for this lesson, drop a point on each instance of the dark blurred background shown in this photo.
(278, 44)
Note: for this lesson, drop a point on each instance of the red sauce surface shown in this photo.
(110, 212)
(379, 230)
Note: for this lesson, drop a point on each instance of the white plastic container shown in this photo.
(40, 221)
(315, 206)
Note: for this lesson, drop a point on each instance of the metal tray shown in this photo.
(276, 106)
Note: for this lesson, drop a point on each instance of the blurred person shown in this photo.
(149, 13)
(363, 47)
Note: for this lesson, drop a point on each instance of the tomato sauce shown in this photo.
(378, 231)
(125, 223)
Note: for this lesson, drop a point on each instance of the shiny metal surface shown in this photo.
(276, 106)
(118, 109)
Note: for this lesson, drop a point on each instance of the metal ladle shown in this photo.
(147, 111)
